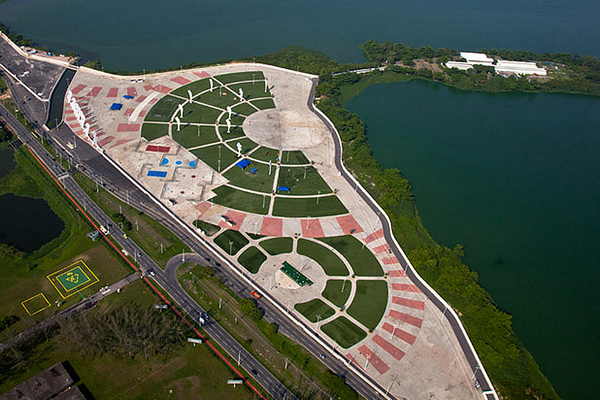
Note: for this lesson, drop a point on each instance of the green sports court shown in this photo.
(72, 279)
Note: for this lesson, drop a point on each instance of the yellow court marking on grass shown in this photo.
(43, 304)
(72, 279)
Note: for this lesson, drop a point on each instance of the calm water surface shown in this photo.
(516, 179)
(513, 177)
(27, 223)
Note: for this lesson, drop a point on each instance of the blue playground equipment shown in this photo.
(253, 170)
(158, 174)
(164, 161)
(128, 96)
(116, 106)
(243, 163)
(283, 189)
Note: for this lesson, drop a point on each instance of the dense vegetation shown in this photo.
(129, 330)
(566, 72)
(5, 133)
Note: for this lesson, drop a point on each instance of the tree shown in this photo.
(249, 308)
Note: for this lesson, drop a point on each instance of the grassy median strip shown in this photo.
(156, 240)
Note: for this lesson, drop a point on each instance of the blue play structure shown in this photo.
(253, 170)
(178, 162)
(164, 161)
(243, 163)
(116, 106)
(193, 163)
(128, 96)
(157, 174)
(283, 189)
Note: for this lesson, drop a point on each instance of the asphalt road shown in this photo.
(463, 340)
(267, 380)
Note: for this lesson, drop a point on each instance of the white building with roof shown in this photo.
(501, 67)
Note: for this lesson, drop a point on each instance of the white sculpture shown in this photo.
(228, 125)
(211, 85)
(241, 94)
(190, 94)
(239, 148)
(229, 111)
(270, 167)
(178, 121)
(180, 109)
(266, 86)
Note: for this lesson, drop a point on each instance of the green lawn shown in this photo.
(331, 264)
(163, 109)
(193, 135)
(304, 207)
(240, 76)
(234, 132)
(344, 332)
(197, 113)
(277, 245)
(247, 145)
(303, 180)
(208, 228)
(236, 238)
(294, 157)
(251, 90)
(333, 291)
(260, 181)
(154, 131)
(361, 259)
(235, 119)
(265, 154)
(315, 307)
(225, 99)
(244, 109)
(264, 104)
(252, 259)
(196, 87)
(239, 200)
(370, 300)
(210, 155)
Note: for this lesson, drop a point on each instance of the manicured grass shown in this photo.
(344, 332)
(315, 307)
(361, 259)
(333, 291)
(234, 132)
(265, 154)
(154, 131)
(252, 259)
(304, 207)
(260, 181)
(235, 119)
(197, 113)
(264, 104)
(240, 76)
(247, 145)
(239, 200)
(208, 228)
(189, 137)
(196, 87)
(238, 241)
(331, 264)
(251, 90)
(294, 157)
(302, 180)
(225, 99)
(244, 109)
(163, 109)
(277, 245)
(369, 302)
(210, 155)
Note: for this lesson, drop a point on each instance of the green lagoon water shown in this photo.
(513, 177)
(516, 179)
